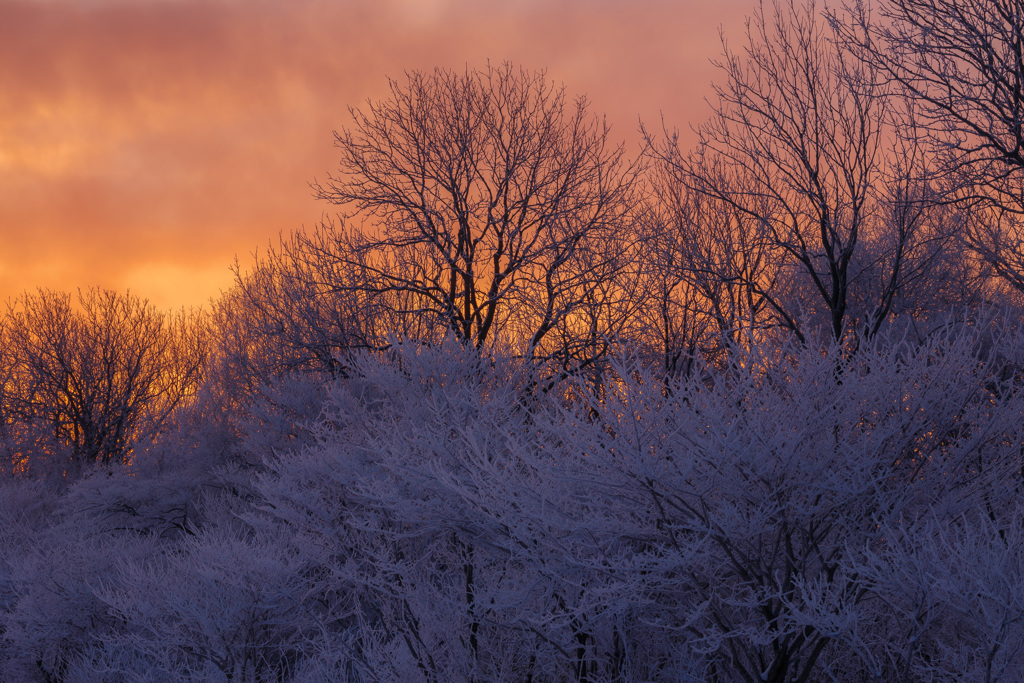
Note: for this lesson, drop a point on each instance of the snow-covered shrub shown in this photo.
(424, 462)
(55, 614)
(217, 606)
(278, 420)
(754, 497)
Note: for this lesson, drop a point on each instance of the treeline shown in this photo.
(431, 517)
(534, 408)
(853, 176)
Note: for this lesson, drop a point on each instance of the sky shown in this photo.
(144, 144)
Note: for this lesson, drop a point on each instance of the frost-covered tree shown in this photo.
(720, 530)
(439, 520)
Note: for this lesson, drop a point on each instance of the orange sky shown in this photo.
(145, 143)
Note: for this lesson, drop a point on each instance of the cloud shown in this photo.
(165, 136)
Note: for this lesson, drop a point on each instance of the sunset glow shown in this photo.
(145, 143)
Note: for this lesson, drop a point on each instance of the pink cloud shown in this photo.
(177, 133)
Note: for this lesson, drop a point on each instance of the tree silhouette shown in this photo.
(487, 203)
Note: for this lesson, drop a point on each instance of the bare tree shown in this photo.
(962, 63)
(798, 148)
(293, 311)
(486, 202)
(8, 461)
(708, 266)
(99, 376)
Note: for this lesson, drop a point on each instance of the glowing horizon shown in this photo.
(145, 143)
